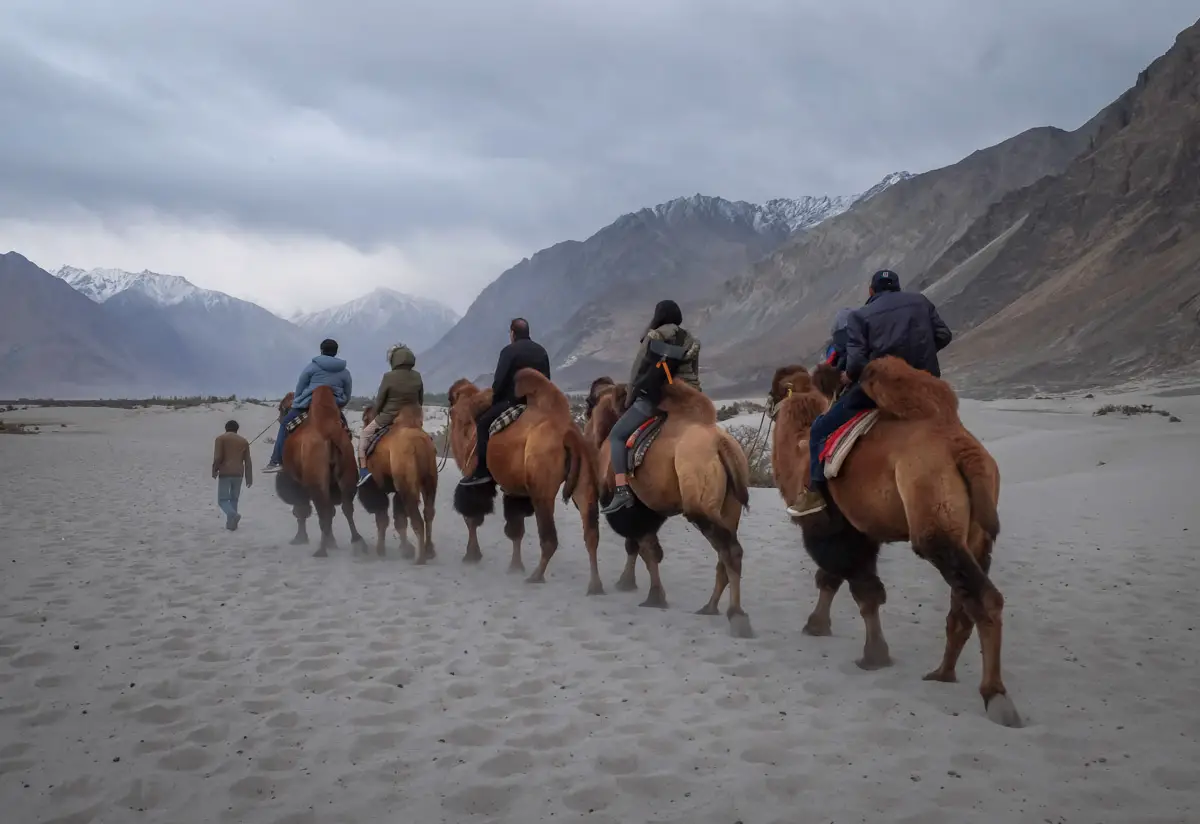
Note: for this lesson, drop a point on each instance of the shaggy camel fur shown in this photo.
(404, 465)
(530, 459)
(319, 470)
(918, 476)
(694, 468)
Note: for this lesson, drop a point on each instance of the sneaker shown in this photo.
(364, 475)
(271, 467)
(810, 502)
(621, 499)
(476, 480)
(231, 522)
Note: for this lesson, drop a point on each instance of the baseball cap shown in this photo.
(885, 280)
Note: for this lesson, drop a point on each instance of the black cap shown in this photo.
(885, 280)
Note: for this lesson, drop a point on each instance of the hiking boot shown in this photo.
(477, 479)
(621, 499)
(271, 468)
(231, 522)
(810, 502)
(364, 475)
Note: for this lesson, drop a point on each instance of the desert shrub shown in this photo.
(1130, 410)
(761, 475)
(732, 410)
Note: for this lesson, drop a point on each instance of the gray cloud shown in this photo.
(371, 122)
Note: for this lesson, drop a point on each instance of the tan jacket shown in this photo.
(231, 457)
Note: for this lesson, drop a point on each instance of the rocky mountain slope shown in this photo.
(582, 298)
(365, 327)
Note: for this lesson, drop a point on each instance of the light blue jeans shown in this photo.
(229, 489)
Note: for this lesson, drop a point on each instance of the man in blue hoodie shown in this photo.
(326, 369)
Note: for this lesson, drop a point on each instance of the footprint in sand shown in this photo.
(483, 800)
(508, 763)
(160, 715)
(588, 799)
(185, 759)
(471, 735)
(32, 659)
(373, 743)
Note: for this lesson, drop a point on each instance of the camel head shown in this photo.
(286, 404)
(461, 388)
(788, 380)
(368, 414)
(827, 380)
(599, 387)
(610, 405)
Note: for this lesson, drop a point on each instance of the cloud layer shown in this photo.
(298, 151)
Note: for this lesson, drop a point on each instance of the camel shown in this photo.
(915, 475)
(530, 458)
(319, 470)
(693, 468)
(403, 463)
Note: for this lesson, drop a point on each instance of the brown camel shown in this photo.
(693, 468)
(916, 475)
(319, 470)
(403, 463)
(530, 459)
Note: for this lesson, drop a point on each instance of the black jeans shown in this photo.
(482, 424)
(854, 400)
(636, 415)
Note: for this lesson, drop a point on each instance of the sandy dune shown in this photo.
(154, 667)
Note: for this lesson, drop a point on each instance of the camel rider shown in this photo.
(665, 342)
(521, 353)
(326, 369)
(400, 387)
(835, 350)
(903, 324)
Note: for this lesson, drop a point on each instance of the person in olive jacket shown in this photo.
(400, 387)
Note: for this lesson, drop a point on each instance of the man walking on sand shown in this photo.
(231, 463)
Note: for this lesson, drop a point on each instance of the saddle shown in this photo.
(507, 418)
(842, 441)
(638, 444)
(292, 425)
(375, 439)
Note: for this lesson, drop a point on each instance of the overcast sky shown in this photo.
(300, 152)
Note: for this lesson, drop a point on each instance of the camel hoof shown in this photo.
(407, 552)
(626, 585)
(944, 677)
(817, 629)
(472, 557)
(381, 552)
(535, 579)
(421, 560)
(595, 588)
(514, 569)
(655, 600)
(874, 662)
(299, 540)
(739, 626)
(321, 553)
(1002, 711)
(708, 609)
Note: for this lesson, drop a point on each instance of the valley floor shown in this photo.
(154, 667)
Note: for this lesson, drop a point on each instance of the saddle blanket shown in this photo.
(842, 441)
(295, 422)
(640, 441)
(506, 419)
(376, 438)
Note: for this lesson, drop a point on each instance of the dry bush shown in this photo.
(761, 475)
(1130, 410)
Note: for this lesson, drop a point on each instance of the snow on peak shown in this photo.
(165, 290)
(377, 310)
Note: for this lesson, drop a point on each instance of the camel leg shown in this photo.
(543, 512)
(412, 508)
(819, 623)
(325, 512)
(590, 516)
(428, 511)
(983, 605)
(514, 530)
(628, 580)
(729, 554)
(652, 554)
(381, 525)
(870, 595)
(474, 555)
(302, 512)
(356, 540)
(400, 520)
(713, 607)
(959, 627)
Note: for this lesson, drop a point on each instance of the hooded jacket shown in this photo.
(400, 387)
(324, 370)
(681, 355)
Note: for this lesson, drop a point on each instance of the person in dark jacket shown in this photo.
(904, 324)
(521, 353)
(401, 386)
(665, 344)
(326, 369)
(835, 350)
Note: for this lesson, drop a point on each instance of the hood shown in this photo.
(677, 335)
(401, 357)
(841, 320)
(329, 363)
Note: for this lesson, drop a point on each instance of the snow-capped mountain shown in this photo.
(164, 290)
(366, 326)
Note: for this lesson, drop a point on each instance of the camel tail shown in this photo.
(737, 470)
(578, 462)
(973, 464)
(429, 475)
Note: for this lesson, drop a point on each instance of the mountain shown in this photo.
(55, 341)
(228, 345)
(586, 300)
(364, 328)
(1091, 276)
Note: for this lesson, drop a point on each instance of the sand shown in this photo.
(155, 667)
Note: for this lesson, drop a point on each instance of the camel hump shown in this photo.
(680, 400)
(540, 392)
(901, 391)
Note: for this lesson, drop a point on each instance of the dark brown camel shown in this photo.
(917, 475)
(403, 464)
(529, 459)
(319, 469)
(694, 468)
